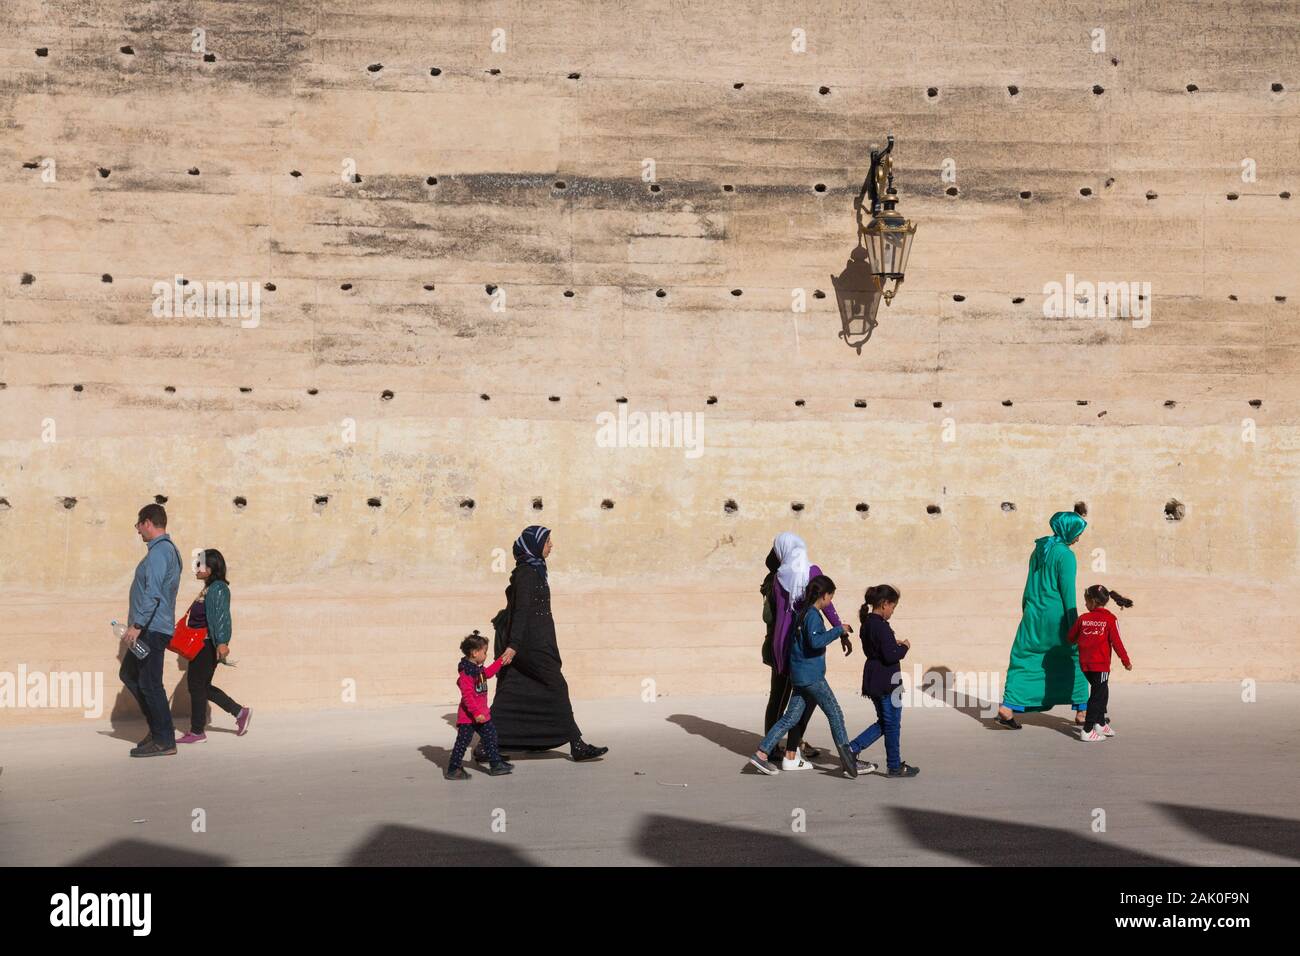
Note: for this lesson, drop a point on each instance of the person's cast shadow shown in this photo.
(984, 711)
(127, 722)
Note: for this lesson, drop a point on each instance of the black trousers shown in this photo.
(1098, 699)
(143, 679)
(198, 678)
(778, 699)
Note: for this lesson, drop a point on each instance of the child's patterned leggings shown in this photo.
(464, 733)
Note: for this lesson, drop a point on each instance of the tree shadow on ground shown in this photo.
(996, 843)
(393, 845)
(673, 841)
(144, 853)
(1251, 831)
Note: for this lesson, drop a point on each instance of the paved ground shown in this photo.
(1194, 776)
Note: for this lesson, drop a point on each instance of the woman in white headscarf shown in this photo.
(790, 573)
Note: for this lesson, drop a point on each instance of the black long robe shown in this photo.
(531, 708)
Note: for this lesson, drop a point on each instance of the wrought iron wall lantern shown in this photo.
(878, 263)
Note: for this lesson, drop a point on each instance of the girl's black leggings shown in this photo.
(198, 678)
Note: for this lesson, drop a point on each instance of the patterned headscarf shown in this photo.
(1066, 526)
(528, 548)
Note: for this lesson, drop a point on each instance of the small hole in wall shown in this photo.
(245, 389)
(1008, 506)
(1279, 298)
(561, 184)
(193, 170)
(959, 298)
(819, 188)
(183, 281)
(240, 502)
(431, 180)
(799, 403)
(568, 293)
(1114, 61)
(104, 172)
(737, 292)
(31, 165)
(428, 287)
(818, 294)
(730, 507)
(728, 188)
(796, 506)
(932, 92)
(313, 391)
(169, 389)
(78, 388)
(374, 502)
(209, 58)
(27, 278)
(495, 71)
(933, 510)
(1151, 194)
(622, 400)
(1170, 403)
(1110, 182)
(1232, 297)
(375, 67)
(160, 499)
(356, 177)
(295, 174)
(1081, 401)
(434, 71)
(859, 403)
(1013, 90)
(862, 508)
(575, 76)
(1085, 191)
(537, 504)
(386, 395)
(711, 400)
(1256, 402)
(1232, 197)
(467, 504)
(737, 86)
(1284, 194)
(42, 51)
(1081, 509)
(607, 504)
(4, 504)
(937, 404)
(951, 190)
(319, 503)
(485, 397)
(1192, 88)
(1175, 510)
(660, 293)
(553, 398)
(824, 90)
(346, 287)
(126, 50)
(1018, 300)
(489, 288)
(1277, 87)
(269, 287)
(68, 503)
(1098, 89)
(1006, 402)
(1026, 194)
(655, 187)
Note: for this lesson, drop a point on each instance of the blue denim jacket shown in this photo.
(808, 648)
(157, 579)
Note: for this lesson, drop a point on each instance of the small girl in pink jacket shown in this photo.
(473, 713)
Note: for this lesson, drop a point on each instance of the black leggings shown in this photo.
(778, 699)
(198, 678)
(1098, 699)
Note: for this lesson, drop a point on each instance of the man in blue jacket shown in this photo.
(153, 620)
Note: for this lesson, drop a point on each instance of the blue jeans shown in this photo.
(808, 695)
(889, 719)
(144, 680)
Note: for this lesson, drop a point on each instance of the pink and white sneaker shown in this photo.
(192, 739)
(1090, 735)
(242, 721)
(1106, 731)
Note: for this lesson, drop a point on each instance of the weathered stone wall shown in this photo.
(230, 168)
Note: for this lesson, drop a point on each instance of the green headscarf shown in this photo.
(1066, 526)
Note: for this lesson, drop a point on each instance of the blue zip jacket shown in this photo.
(808, 650)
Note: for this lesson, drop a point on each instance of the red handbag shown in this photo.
(187, 641)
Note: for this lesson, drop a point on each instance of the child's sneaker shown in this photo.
(500, 769)
(1088, 736)
(797, 763)
(764, 766)
(1106, 730)
(457, 774)
(192, 738)
(904, 770)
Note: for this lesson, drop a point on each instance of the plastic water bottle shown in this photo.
(138, 647)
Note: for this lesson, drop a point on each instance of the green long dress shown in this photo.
(1044, 667)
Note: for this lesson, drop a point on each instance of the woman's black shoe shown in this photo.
(480, 756)
(849, 759)
(457, 774)
(1010, 722)
(581, 750)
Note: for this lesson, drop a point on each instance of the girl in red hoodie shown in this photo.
(473, 714)
(1096, 633)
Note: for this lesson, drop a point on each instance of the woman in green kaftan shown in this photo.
(1044, 668)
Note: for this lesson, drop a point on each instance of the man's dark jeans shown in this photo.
(144, 679)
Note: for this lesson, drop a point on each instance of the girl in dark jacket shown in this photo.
(531, 708)
(880, 676)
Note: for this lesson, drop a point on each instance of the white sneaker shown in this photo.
(796, 763)
(1090, 735)
(1106, 731)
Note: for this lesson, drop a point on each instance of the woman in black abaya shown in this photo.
(531, 709)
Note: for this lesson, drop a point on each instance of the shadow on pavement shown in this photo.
(673, 841)
(393, 845)
(144, 853)
(995, 843)
(1253, 831)
(740, 742)
(979, 708)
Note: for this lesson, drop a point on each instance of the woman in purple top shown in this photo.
(791, 576)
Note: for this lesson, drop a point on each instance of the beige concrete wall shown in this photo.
(663, 584)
